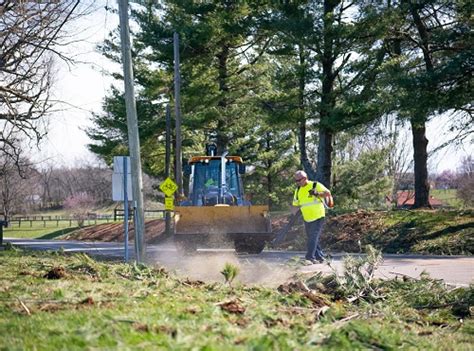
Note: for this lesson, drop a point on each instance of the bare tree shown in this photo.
(15, 188)
(399, 161)
(30, 34)
(58, 184)
(79, 205)
(466, 181)
(45, 181)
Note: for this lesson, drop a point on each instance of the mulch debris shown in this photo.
(56, 273)
(232, 306)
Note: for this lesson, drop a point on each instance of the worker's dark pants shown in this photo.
(313, 232)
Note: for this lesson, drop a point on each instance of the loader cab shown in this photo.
(208, 187)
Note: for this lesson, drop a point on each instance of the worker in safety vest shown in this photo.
(309, 199)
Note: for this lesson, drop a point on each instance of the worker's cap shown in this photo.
(299, 175)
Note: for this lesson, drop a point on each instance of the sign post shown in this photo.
(125, 207)
(121, 191)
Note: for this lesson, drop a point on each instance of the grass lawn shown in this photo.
(432, 232)
(44, 229)
(51, 301)
(448, 197)
(440, 232)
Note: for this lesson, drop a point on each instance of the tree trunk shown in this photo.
(304, 159)
(268, 148)
(326, 135)
(325, 157)
(222, 139)
(420, 157)
(420, 143)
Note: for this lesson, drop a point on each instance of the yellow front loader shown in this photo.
(216, 213)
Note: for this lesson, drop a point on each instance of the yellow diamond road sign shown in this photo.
(168, 187)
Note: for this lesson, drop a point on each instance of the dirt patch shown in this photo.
(232, 306)
(341, 233)
(349, 232)
(114, 232)
(88, 301)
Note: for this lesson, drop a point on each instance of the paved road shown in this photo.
(270, 268)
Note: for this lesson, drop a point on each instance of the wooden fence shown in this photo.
(48, 221)
(120, 213)
(91, 218)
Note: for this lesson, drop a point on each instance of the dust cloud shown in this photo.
(206, 266)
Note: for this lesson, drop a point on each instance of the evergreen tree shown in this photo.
(273, 83)
(336, 58)
(431, 71)
(222, 47)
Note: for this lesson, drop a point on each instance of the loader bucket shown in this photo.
(248, 227)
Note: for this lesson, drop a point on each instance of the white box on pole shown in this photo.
(117, 187)
(118, 179)
(118, 164)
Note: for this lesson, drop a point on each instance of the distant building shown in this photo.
(33, 199)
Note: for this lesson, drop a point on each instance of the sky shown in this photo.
(83, 86)
(79, 90)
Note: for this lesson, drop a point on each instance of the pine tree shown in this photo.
(430, 71)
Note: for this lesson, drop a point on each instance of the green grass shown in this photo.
(428, 232)
(98, 305)
(440, 232)
(44, 230)
(448, 197)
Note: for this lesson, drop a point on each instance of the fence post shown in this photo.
(2, 223)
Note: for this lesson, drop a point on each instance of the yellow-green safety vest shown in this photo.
(312, 207)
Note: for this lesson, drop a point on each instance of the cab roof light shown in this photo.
(206, 159)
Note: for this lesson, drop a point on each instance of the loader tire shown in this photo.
(243, 246)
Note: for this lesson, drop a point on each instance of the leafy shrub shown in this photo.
(362, 182)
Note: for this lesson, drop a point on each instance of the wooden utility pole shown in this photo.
(177, 111)
(167, 164)
(133, 138)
